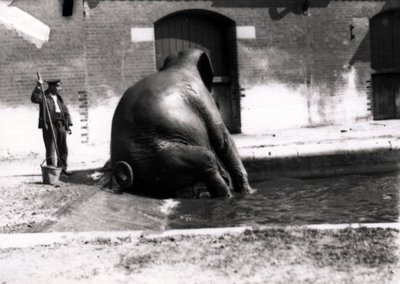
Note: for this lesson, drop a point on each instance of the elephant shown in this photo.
(167, 133)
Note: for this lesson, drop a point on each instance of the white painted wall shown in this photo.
(142, 34)
(21, 138)
(265, 108)
(275, 105)
(246, 32)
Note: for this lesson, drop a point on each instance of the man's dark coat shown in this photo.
(37, 97)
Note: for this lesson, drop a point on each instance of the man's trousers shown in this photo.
(61, 142)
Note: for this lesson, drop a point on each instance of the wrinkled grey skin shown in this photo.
(169, 130)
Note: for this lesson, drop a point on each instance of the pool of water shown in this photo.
(345, 199)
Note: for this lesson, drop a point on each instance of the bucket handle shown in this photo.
(41, 164)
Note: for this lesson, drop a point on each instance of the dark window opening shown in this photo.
(68, 7)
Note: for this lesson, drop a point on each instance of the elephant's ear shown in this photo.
(205, 69)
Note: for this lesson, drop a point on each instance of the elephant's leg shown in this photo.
(225, 148)
(195, 161)
(231, 159)
(225, 175)
(222, 143)
(216, 185)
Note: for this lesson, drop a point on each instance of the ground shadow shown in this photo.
(83, 177)
(95, 177)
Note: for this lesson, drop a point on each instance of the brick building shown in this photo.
(278, 63)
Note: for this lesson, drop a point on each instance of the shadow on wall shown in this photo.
(277, 8)
(362, 53)
(275, 4)
(291, 4)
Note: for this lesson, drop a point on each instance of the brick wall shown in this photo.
(302, 63)
(24, 51)
(311, 52)
(62, 56)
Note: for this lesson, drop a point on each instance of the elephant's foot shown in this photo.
(217, 186)
(249, 190)
(245, 188)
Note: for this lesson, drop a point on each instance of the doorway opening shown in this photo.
(385, 60)
(214, 34)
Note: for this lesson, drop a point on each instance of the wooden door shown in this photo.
(385, 40)
(386, 95)
(210, 34)
(385, 60)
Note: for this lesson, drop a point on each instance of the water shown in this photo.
(288, 201)
(346, 199)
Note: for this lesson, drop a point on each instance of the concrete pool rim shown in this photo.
(21, 240)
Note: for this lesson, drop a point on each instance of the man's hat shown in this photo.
(53, 81)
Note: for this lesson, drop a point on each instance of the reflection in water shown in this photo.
(346, 199)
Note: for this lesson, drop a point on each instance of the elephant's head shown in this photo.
(189, 58)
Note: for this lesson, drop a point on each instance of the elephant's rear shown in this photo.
(125, 134)
(149, 117)
(169, 130)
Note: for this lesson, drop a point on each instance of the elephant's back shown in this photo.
(155, 107)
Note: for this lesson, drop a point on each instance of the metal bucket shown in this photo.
(50, 174)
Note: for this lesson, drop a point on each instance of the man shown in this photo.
(61, 119)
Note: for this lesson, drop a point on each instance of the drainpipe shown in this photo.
(84, 94)
(307, 51)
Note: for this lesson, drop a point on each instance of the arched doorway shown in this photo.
(214, 34)
(385, 60)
